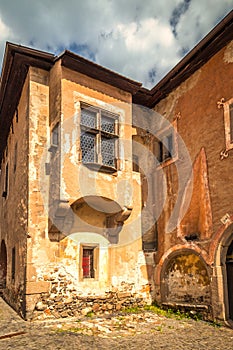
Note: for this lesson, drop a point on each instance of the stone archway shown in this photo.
(3, 265)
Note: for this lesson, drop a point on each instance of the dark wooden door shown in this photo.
(230, 287)
(229, 267)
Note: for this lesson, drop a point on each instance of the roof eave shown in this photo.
(95, 71)
(16, 61)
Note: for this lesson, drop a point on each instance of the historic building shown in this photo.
(113, 195)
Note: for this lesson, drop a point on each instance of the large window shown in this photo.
(99, 136)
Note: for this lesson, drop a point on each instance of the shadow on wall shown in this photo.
(88, 214)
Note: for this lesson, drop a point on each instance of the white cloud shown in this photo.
(138, 48)
(5, 35)
(140, 39)
(4, 30)
(199, 19)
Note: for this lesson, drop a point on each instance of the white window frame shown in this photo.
(227, 124)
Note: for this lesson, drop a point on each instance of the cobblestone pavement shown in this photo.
(133, 331)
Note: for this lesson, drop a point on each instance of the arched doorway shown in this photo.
(229, 270)
(3, 265)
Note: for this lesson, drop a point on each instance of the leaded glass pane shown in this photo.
(88, 118)
(108, 151)
(88, 147)
(107, 124)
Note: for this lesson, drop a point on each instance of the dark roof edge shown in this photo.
(16, 61)
(96, 71)
(216, 39)
(10, 51)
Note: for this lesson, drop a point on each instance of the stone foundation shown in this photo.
(57, 306)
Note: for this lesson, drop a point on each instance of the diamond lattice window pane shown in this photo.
(108, 151)
(88, 118)
(88, 147)
(108, 124)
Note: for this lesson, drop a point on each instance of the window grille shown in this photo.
(88, 147)
(107, 151)
(108, 124)
(88, 118)
(98, 136)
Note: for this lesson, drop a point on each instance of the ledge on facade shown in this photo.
(101, 167)
(193, 309)
(185, 305)
(195, 236)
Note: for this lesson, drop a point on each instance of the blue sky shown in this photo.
(142, 40)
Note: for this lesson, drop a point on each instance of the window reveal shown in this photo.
(99, 135)
(15, 156)
(55, 135)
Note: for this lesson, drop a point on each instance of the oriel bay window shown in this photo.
(99, 136)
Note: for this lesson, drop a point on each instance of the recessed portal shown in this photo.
(229, 267)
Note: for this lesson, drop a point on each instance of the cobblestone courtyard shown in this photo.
(133, 331)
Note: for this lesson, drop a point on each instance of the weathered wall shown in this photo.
(14, 207)
(186, 280)
(200, 124)
(38, 244)
(70, 204)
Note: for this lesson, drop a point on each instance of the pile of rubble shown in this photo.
(64, 300)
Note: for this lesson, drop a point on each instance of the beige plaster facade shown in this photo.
(63, 206)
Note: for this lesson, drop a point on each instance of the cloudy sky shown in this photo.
(142, 39)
